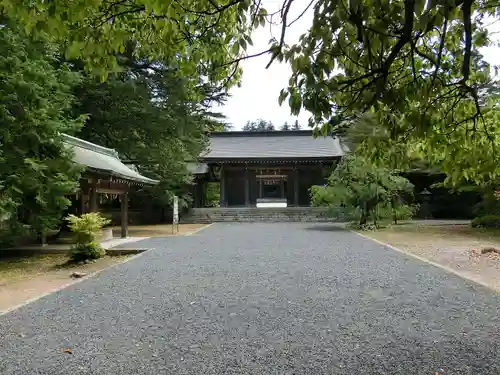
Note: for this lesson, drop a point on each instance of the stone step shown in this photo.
(289, 214)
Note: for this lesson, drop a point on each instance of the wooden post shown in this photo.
(282, 186)
(124, 215)
(296, 187)
(83, 201)
(203, 193)
(247, 187)
(93, 199)
(223, 201)
(196, 194)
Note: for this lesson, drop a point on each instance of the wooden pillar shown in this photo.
(223, 201)
(247, 187)
(196, 194)
(282, 186)
(296, 187)
(124, 215)
(194, 191)
(202, 193)
(83, 201)
(93, 200)
(260, 188)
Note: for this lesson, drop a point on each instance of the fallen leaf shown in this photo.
(68, 351)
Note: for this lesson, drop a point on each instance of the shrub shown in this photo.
(486, 221)
(82, 252)
(362, 190)
(87, 229)
(403, 212)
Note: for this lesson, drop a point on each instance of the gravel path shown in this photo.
(259, 299)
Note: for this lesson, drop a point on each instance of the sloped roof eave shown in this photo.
(103, 160)
(299, 145)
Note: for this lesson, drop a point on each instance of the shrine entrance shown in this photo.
(272, 184)
(264, 169)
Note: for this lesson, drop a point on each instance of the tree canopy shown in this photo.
(410, 67)
(36, 170)
(201, 36)
(154, 119)
(367, 55)
(363, 191)
(259, 125)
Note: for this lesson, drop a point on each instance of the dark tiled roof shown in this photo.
(272, 145)
(102, 159)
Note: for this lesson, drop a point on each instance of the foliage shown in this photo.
(11, 232)
(475, 163)
(403, 212)
(489, 204)
(89, 251)
(389, 53)
(294, 126)
(259, 125)
(156, 120)
(87, 229)
(362, 190)
(364, 227)
(414, 67)
(212, 194)
(397, 210)
(36, 170)
(486, 221)
(285, 127)
(201, 35)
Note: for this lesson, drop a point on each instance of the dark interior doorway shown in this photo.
(272, 188)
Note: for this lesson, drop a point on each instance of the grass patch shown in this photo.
(16, 268)
(29, 266)
(163, 230)
(492, 234)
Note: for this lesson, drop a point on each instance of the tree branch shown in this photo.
(276, 52)
(218, 9)
(441, 44)
(302, 13)
(466, 10)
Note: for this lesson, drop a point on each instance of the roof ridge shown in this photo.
(90, 146)
(270, 133)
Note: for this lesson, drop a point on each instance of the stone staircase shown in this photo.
(254, 214)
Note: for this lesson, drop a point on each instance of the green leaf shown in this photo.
(282, 97)
(235, 49)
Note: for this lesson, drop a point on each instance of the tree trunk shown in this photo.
(393, 208)
(362, 220)
(364, 215)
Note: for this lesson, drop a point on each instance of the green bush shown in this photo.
(486, 221)
(403, 212)
(82, 252)
(87, 228)
(363, 191)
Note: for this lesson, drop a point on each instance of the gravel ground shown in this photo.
(455, 246)
(259, 299)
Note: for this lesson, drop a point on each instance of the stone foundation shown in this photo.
(259, 214)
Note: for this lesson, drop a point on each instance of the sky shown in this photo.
(260, 87)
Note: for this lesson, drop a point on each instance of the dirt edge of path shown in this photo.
(27, 290)
(475, 277)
